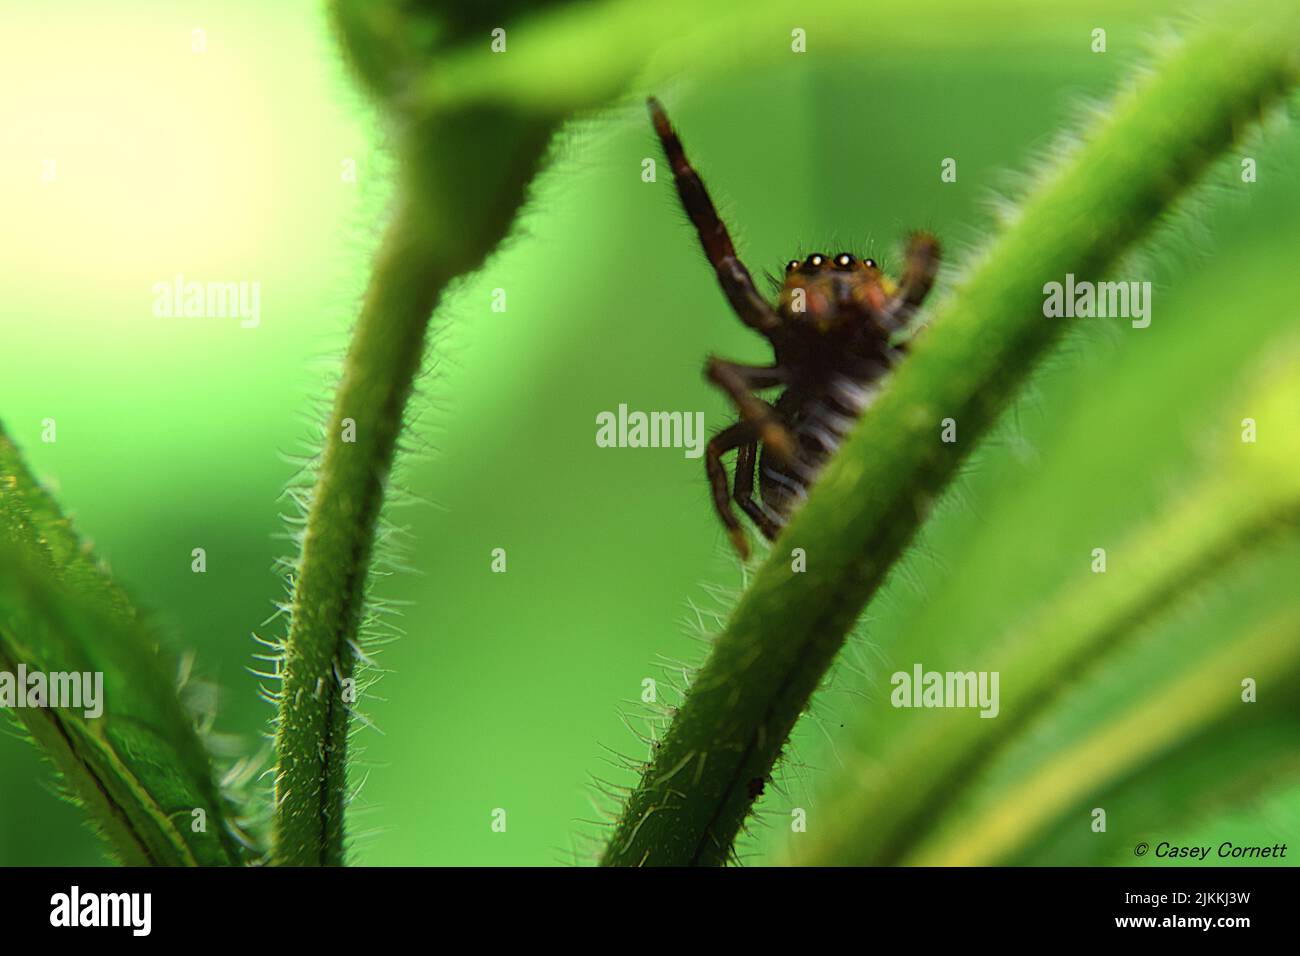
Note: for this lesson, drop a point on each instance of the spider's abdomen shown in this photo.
(819, 419)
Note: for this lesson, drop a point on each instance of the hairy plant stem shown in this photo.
(320, 659)
(982, 342)
(1241, 509)
(463, 177)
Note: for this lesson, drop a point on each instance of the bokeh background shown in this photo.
(506, 688)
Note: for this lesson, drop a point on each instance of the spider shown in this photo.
(830, 334)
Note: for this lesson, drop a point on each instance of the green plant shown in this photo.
(469, 138)
(138, 768)
(979, 345)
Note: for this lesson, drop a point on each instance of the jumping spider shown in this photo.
(830, 332)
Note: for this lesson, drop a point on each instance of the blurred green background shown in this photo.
(226, 164)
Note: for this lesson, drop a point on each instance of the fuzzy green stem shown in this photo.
(321, 655)
(983, 341)
(463, 179)
(1239, 510)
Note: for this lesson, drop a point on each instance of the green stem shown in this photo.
(311, 738)
(1246, 505)
(982, 343)
(464, 173)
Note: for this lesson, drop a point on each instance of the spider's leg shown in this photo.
(739, 381)
(743, 491)
(919, 270)
(741, 433)
(734, 278)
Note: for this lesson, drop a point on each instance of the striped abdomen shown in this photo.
(820, 418)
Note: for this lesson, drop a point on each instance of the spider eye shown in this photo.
(869, 263)
(816, 260)
(844, 260)
(792, 265)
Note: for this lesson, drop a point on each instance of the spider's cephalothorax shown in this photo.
(830, 333)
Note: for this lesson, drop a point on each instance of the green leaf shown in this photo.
(990, 827)
(138, 766)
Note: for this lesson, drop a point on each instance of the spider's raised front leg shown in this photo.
(920, 267)
(739, 382)
(736, 436)
(734, 278)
